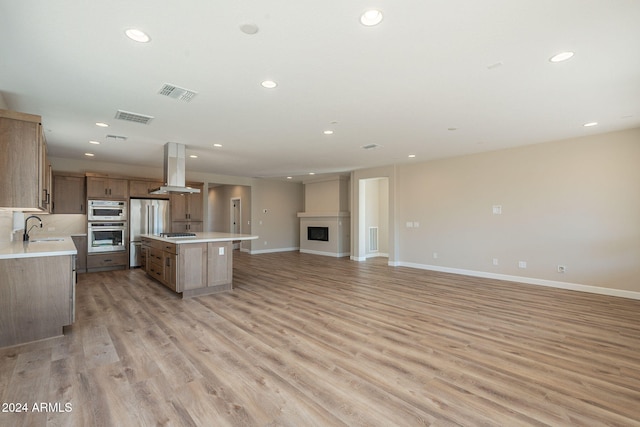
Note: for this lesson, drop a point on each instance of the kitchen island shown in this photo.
(37, 289)
(192, 265)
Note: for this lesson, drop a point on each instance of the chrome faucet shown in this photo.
(25, 236)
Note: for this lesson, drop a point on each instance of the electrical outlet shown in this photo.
(495, 261)
(435, 255)
(562, 269)
(522, 264)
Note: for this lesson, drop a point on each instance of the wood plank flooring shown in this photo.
(305, 340)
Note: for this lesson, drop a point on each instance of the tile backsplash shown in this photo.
(52, 225)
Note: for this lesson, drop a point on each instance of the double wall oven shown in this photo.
(107, 226)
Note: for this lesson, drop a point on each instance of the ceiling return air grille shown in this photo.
(176, 92)
(133, 117)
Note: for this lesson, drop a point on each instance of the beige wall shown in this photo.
(330, 194)
(278, 227)
(574, 203)
(219, 200)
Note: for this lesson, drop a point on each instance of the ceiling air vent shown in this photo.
(133, 117)
(370, 146)
(176, 92)
(116, 138)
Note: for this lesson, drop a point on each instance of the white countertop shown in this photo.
(38, 247)
(211, 236)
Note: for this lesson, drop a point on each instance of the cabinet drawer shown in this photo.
(155, 255)
(107, 260)
(156, 271)
(171, 248)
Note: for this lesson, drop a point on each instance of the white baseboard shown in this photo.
(270, 251)
(377, 255)
(528, 280)
(331, 254)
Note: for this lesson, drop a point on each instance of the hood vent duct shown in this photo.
(174, 171)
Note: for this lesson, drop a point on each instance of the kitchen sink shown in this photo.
(47, 239)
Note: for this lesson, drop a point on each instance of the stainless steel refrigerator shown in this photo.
(147, 216)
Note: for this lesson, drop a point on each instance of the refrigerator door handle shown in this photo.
(154, 226)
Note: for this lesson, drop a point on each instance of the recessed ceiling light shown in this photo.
(102, 125)
(289, 177)
(137, 35)
(94, 142)
(411, 156)
(328, 132)
(269, 84)
(371, 17)
(193, 156)
(588, 125)
(562, 56)
(249, 28)
(217, 145)
(312, 173)
(89, 154)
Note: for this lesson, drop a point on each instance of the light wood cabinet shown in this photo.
(190, 268)
(103, 187)
(107, 261)
(186, 226)
(24, 167)
(219, 262)
(69, 194)
(187, 211)
(81, 257)
(141, 188)
(37, 298)
(188, 207)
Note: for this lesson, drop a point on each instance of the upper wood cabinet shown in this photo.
(24, 167)
(69, 196)
(187, 207)
(141, 188)
(104, 187)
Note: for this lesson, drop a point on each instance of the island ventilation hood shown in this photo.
(174, 175)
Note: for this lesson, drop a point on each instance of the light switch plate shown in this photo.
(221, 250)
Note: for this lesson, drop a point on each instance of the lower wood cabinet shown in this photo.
(81, 258)
(37, 298)
(189, 268)
(107, 261)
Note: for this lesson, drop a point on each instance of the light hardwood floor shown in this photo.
(305, 340)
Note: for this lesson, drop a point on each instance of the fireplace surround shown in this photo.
(325, 224)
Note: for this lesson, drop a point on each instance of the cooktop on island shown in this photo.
(174, 235)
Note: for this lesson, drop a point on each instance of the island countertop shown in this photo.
(203, 237)
(38, 247)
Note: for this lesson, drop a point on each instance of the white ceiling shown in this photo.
(479, 67)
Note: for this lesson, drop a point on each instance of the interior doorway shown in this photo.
(235, 225)
(373, 221)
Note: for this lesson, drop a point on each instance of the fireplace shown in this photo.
(325, 224)
(320, 234)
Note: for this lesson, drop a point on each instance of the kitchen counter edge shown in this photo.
(204, 237)
(19, 249)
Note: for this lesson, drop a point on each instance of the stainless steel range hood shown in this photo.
(174, 175)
